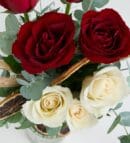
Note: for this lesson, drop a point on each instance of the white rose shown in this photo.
(78, 117)
(51, 109)
(103, 91)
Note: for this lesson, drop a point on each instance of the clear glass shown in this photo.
(35, 137)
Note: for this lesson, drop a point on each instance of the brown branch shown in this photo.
(10, 105)
(8, 82)
(4, 66)
(70, 71)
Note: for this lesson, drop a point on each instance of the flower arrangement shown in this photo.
(60, 70)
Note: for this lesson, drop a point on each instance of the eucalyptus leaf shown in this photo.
(99, 3)
(53, 131)
(125, 118)
(22, 82)
(114, 124)
(118, 106)
(15, 118)
(12, 24)
(86, 4)
(78, 14)
(27, 76)
(6, 42)
(124, 139)
(24, 124)
(34, 90)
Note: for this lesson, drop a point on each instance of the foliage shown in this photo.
(13, 63)
(32, 86)
(8, 37)
(125, 139)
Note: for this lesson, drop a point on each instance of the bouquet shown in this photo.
(61, 68)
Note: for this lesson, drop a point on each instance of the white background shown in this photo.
(98, 133)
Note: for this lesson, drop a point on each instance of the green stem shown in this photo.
(26, 17)
(127, 133)
(90, 5)
(67, 9)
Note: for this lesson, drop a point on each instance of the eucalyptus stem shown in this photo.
(90, 5)
(126, 131)
(67, 9)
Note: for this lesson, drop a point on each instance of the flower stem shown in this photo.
(127, 133)
(90, 5)
(67, 9)
(26, 17)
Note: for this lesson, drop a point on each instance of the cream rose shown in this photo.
(78, 117)
(103, 91)
(51, 109)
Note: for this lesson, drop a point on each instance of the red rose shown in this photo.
(46, 43)
(104, 37)
(18, 6)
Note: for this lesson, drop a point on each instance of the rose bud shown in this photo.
(78, 117)
(104, 36)
(18, 6)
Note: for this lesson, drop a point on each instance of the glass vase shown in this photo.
(38, 134)
(35, 137)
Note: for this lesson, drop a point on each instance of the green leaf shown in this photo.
(114, 124)
(15, 118)
(118, 106)
(99, 3)
(85, 4)
(3, 122)
(53, 131)
(34, 90)
(27, 76)
(6, 91)
(124, 139)
(7, 38)
(125, 118)
(6, 42)
(12, 24)
(22, 82)
(78, 14)
(24, 124)
(64, 1)
(15, 66)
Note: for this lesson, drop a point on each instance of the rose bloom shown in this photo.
(46, 43)
(103, 91)
(51, 109)
(18, 6)
(104, 36)
(78, 117)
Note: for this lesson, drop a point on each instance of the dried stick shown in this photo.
(70, 71)
(4, 66)
(8, 82)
